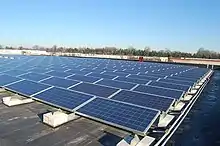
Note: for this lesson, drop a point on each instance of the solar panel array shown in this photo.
(125, 94)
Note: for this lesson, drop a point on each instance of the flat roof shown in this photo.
(21, 125)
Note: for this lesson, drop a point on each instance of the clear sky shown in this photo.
(183, 25)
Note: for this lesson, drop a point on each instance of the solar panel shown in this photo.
(55, 81)
(15, 72)
(94, 89)
(132, 80)
(6, 79)
(34, 76)
(143, 77)
(27, 87)
(170, 85)
(62, 98)
(129, 117)
(78, 72)
(38, 70)
(105, 76)
(152, 74)
(84, 78)
(181, 78)
(90, 70)
(3, 69)
(160, 91)
(155, 102)
(177, 82)
(129, 71)
(59, 74)
(116, 73)
(117, 84)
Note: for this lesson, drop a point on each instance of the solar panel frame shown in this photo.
(143, 132)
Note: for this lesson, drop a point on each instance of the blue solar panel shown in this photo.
(152, 74)
(15, 72)
(132, 80)
(116, 73)
(84, 78)
(181, 78)
(59, 74)
(102, 75)
(170, 85)
(78, 72)
(62, 98)
(117, 84)
(143, 77)
(90, 70)
(160, 91)
(55, 81)
(3, 69)
(94, 89)
(38, 70)
(130, 117)
(27, 87)
(34, 76)
(6, 79)
(177, 82)
(156, 102)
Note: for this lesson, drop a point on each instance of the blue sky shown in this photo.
(183, 25)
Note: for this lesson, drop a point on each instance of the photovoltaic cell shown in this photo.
(94, 89)
(155, 102)
(6, 79)
(130, 117)
(65, 99)
(27, 87)
(117, 84)
(160, 91)
(34, 76)
(55, 81)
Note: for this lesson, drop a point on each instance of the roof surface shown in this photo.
(21, 126)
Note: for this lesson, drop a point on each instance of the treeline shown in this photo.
(201, 53)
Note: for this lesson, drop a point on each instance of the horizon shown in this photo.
(182, 26)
